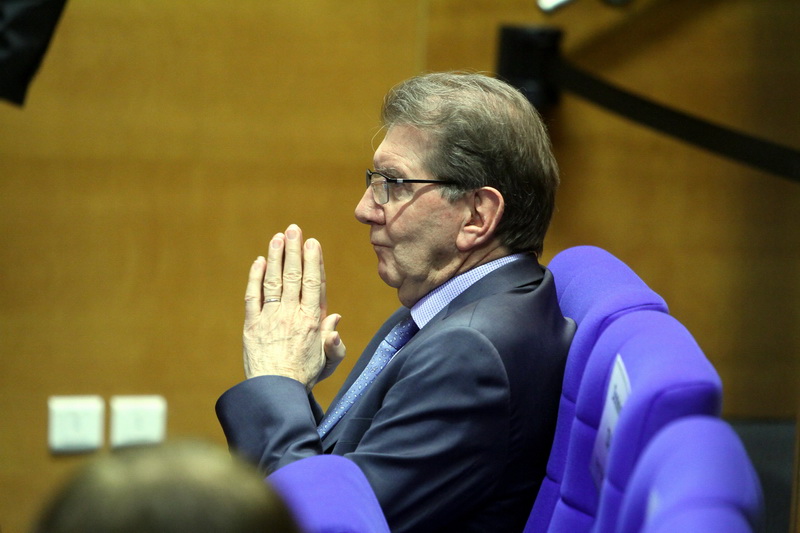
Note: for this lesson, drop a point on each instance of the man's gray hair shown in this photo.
(484, 133)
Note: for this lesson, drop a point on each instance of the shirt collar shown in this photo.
(436, 300)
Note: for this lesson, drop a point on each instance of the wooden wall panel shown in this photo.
(719, 240)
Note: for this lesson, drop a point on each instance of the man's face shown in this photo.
(414, 233)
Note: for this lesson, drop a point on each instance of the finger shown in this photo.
(273, 279)
(292, 264)
(332, 342)
(334, 351)
(332, 345)
(252, 295)
(323, 287)
(311, 275)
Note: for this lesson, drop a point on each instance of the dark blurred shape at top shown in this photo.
(26, 27)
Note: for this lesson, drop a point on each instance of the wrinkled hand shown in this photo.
(286, 329)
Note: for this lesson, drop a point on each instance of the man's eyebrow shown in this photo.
(392, 172)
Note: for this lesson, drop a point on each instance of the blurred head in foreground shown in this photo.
(173, 488)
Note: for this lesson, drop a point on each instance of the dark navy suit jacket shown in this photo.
(455, 433)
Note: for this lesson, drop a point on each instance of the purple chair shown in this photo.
(594, 288)
(329, 494)
(694, 477)
(645, 371)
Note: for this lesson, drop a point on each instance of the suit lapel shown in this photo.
(520, 273)
(399, 315)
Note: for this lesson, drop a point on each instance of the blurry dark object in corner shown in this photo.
(26, 27)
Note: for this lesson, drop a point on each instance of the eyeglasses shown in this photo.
(379, 183)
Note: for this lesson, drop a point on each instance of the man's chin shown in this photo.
(387, 276)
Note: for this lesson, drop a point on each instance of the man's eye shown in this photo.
(400, 190)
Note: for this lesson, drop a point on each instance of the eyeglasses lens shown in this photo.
(380, 188)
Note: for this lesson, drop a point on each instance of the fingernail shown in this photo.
(276, 243)
(291, 232)
(310, 243)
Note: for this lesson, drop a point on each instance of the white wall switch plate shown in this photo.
(75, 423)
(138, 420)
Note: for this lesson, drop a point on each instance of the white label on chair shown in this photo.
(619, 388)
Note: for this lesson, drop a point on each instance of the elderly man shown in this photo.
(451, 409)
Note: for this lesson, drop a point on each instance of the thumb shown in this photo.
(332, 345)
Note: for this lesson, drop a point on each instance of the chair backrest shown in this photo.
(329, 494)
(645, 371)
(675, 380)
(594, 288)
(694, 476)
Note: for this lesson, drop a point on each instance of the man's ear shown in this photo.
(486, 206)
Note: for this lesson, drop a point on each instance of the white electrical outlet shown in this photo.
(138, 420)
(75, 423)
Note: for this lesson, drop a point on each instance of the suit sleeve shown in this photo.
(270, 421)
(438, 443)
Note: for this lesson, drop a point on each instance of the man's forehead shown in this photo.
(403, 150)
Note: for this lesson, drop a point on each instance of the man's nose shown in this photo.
(367, 210)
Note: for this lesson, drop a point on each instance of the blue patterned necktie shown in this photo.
(397, 337)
